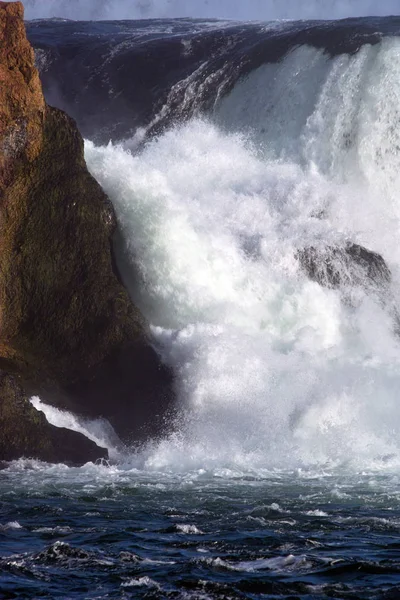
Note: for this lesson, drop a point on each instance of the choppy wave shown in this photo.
(98, 532)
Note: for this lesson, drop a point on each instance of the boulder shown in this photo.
(349, 265)
(68, 328)
(26, 433)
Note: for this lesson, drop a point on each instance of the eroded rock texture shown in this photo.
(68, 329)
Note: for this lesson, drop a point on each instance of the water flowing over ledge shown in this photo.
(254, 173)
(264, 141)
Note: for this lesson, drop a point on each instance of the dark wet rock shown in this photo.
(68, 328)
(131, 388)
(25, 432)
(351, 265)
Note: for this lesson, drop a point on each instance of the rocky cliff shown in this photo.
(68, 329)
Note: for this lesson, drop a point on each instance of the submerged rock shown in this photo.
(67, 325)
(25, 432)
(351, 265)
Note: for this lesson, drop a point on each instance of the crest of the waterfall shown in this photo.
(229, 9)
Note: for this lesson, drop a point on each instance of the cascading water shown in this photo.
(243, 164)
(236, 149)
(273, 369)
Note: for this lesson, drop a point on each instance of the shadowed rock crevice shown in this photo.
(25, 432)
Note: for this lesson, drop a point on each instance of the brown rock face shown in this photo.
(22, 105)
(67, 326)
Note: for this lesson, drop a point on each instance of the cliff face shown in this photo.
(67, 326)
(62, 308)
(22, 106)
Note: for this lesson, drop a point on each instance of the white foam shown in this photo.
(316, 513)
(145, 581)
(280, 563)
(13, 525)
(97, 430)
(189, 529)
(272, 369)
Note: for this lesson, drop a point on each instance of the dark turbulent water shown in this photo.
(234, 145)
(114, 77)
(108, 533)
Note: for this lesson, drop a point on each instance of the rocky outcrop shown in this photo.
(22, 106)
(349, 265)
(25, 432)
(67, 326)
